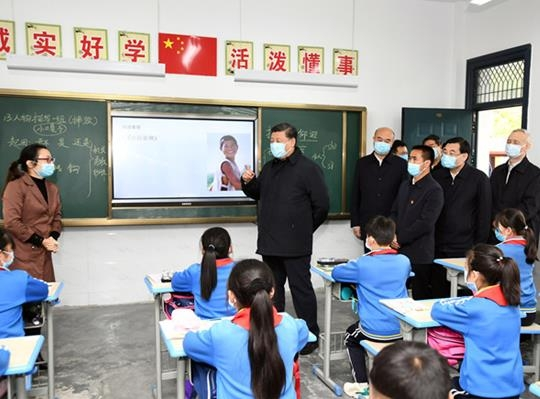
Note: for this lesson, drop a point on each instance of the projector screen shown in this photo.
(180, 160)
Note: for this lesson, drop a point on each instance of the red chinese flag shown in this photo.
(191, 55)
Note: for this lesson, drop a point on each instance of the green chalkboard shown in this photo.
(75, 131)
(324, 137)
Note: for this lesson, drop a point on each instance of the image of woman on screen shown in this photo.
(227, 177)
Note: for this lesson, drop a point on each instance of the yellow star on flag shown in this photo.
(168, 43)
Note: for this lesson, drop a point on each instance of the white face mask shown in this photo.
(7, 263)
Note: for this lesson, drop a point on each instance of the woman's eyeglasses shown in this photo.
(47, 159)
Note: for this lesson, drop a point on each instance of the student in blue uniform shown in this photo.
(16, 288)
(254, 352)
(208, 280)
(518, 241)
(490, 323)
(380, 274)
(409, 370)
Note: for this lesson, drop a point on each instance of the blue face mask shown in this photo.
(404, 156)
(449, 161)
(413, 169)
(499, 235)
(470, 285)
(278, 150)
(46, 170)
(381, 147)
(513, 150)
(435, 152)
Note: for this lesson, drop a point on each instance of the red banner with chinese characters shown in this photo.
(191, 55)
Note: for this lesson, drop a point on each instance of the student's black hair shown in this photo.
(496, 269)
(225, 138)
(19, 167)
(433, 137)
(382, 229)
(396, 144)
(410, 370)
(515, 219)
(252, 281)
(290, 130)
(215, 243)
(464, 146)
(427, 152)
(6, 239)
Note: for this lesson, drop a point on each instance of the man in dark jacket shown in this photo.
(466, 216)
(516, 183)
(377, 178)
(292, 203)
(415, 211)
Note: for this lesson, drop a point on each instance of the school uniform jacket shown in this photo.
(465, 219)
(224, 346)
(415, 211)
(16, 288)
(522, 191)
(515, 248)
(375, 187)
(292, 203)
(378, 275)
(190, 280)
(26, 213)
(492, 365)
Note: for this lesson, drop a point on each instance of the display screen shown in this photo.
(180, 160)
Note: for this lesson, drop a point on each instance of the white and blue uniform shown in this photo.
(377, 275)
(492, 365)
(217, 305)
(224, 346)
(515, 248)
(16, 288)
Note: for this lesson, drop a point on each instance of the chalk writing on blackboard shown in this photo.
(50, 125)
(323, 157)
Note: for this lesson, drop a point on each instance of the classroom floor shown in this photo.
(107, 352)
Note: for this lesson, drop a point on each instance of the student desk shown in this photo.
(324, 375)
(455, 267)
(174, 341)
(157, 289)
(414, 316)
(55, 288)
(24, 352)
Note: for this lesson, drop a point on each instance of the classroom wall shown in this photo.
(406, 58)
(500, 25)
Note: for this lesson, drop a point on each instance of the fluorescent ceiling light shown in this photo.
(295, 78)
(57, 64)
(479, 2)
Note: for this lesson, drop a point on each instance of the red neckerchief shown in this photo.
(242, 317)
(494, 293)
(386, 251)
(518, 240)
(223, 262)
(3, 269)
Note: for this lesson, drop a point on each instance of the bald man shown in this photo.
(377, 179)
(516, 183)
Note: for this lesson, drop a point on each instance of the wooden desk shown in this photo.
(24, 352)
(414, 316)
(157, 289)
(455, 268)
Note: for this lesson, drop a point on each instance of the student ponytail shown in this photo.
(18, 168)
(252, 282)
(496, 268)
(515, 219)
(215, 244)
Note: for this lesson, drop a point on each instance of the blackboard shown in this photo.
(325, 136)
(75, 131)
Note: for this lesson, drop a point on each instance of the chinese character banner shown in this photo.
(43, 39)
(277, 57)
(238, 55)
(91, 43)
(345, 62)
(310, 59)
(7, 38)
(134, 47)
